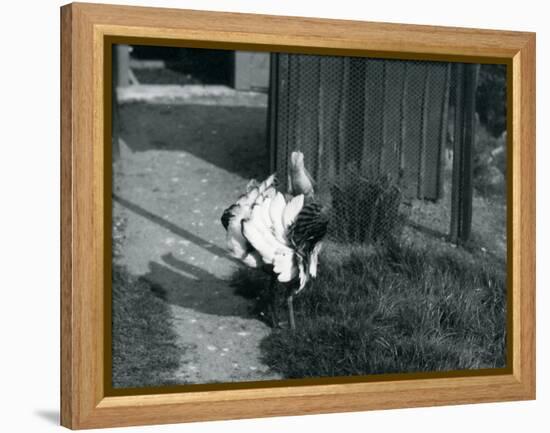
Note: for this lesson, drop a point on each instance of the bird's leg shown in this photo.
(273, 300)
(290, 303)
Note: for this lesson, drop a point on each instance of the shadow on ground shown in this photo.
(232, 138)
(145, 350)
(185, 284)
(189, 286)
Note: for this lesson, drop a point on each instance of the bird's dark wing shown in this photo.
(309, 228)
(227, 215)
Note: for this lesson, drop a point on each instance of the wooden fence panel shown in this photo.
(330, 95)
(394, 79)
(373, 127)
(413, 128)
(379, 117)
(437, 103)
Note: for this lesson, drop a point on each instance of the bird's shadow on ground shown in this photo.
(190, 286)
(187, 285)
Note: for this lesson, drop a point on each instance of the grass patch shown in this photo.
(145, 351)
(393, 310)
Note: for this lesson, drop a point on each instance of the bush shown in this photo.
(366, 210)
(489, 171)
(491, 98)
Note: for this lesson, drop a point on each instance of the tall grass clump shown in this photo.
(366, 210)
(394, 310)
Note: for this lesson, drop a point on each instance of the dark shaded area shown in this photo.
(394, 310)
(193, 287)
(269, 297)
(144, 345)
(164, 76)
(232, 138)
(203, 66)
(491, 98)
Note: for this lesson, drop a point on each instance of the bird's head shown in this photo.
(297, 160)
(300, 181)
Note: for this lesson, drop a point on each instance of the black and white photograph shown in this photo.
(296, 216)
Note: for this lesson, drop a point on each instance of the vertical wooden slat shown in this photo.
(403, 121)
(343, 115)
(273, 111)
(413, 127)
(355, 125)
(467, 186)
(331, 71)
(434, 145)
(355, 101)
(384, 114)
(394, 77)
(457, 154)
(296, 136)
(424, 134)
(283, 124)
(307, 109)
(373, 117)
(443, 133)
(321, 125)
(122, 65)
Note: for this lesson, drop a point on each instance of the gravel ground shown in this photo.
(172, 183)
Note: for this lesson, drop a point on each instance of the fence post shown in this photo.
(120, 75)
(121, 63)
(272, 111)
(464, 139)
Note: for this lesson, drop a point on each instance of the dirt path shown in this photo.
(173, 201)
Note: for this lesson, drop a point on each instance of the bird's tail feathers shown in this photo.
(314, 259)
(302, 273)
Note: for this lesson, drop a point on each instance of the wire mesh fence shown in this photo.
(378, 137)
(385, 141)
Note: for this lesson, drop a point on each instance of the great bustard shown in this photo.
(281, 234)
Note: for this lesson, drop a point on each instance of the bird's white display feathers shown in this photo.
(236, 242)
(260, 224)
(261, 219)
(264, 230)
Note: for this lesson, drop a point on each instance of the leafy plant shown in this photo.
(366, 210)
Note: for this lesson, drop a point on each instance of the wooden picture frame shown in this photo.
(87, 33)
